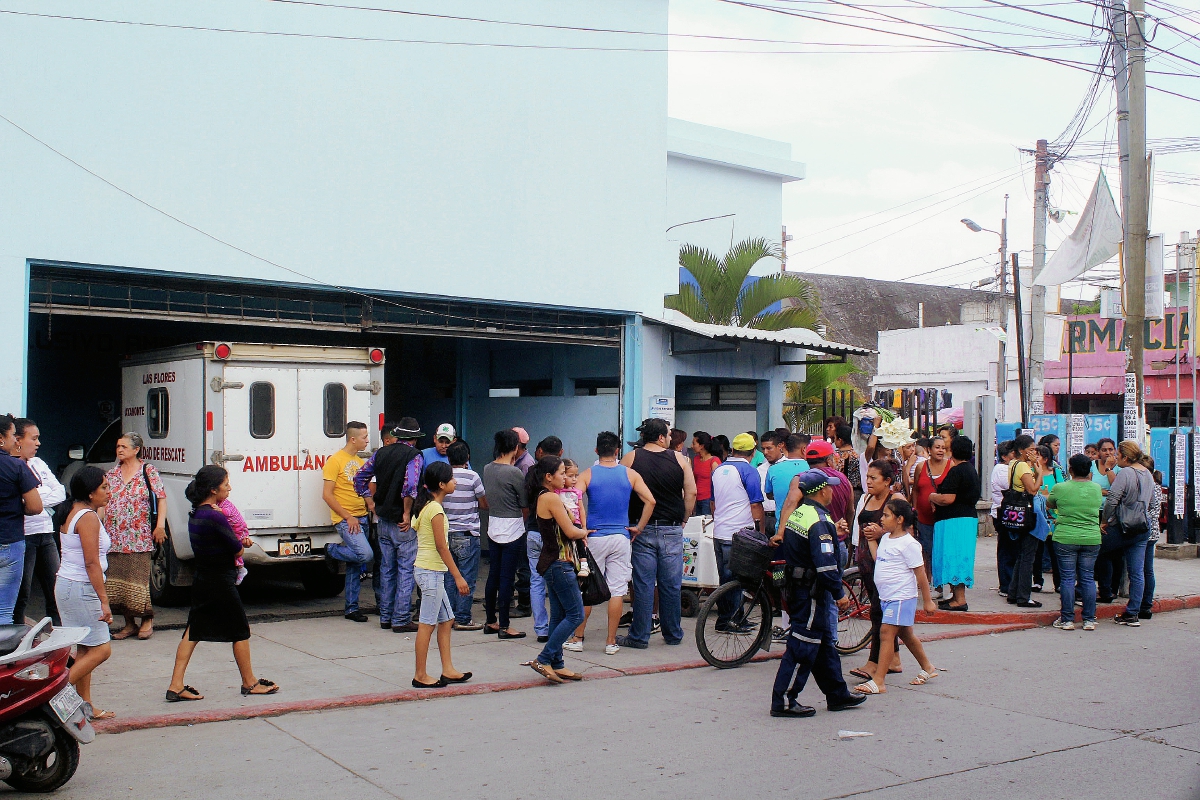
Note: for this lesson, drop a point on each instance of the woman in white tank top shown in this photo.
(79, 590)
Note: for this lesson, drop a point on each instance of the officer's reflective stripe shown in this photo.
(803, 518)
(813, 605)
(805, 638)
(830, 568)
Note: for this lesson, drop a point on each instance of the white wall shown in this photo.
(430, 168)
(960, 359)
(712, 172)
(730, 423)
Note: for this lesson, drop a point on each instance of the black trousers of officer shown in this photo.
(809, 651)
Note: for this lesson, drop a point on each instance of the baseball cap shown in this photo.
(743, 442)
(522, 435)
(818, 448)
(445, 431)
(814, 480)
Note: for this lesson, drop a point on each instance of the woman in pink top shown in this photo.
(703, 464)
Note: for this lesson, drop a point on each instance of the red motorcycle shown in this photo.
(43, 720)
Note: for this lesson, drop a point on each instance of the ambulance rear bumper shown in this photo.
(265, 550)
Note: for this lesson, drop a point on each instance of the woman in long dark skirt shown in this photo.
(217, 614)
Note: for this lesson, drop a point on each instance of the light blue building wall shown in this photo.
(494, 168)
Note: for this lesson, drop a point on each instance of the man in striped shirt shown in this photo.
(462, 508)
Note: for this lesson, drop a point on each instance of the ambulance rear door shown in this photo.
(328, 399)
(260, 424)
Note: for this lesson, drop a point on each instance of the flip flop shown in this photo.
(103, 715)
(274, 687)
(177, 697)
(924, 677)
(861, 673)
(870, 687)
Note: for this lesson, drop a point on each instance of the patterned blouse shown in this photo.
(127, 517)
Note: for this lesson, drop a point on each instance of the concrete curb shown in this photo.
(995, 622)
(1106, 611)
(120, 725)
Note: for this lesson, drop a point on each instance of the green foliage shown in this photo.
(802, 399)
(724, 298)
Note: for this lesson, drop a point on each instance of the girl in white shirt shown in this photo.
(900, 580)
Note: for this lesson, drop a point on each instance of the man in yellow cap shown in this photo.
(737, 504)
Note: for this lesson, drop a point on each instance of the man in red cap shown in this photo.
(820, 455)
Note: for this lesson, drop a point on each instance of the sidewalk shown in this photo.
(330, 662)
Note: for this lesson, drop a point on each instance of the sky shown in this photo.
(882, 130)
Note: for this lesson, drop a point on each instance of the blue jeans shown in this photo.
(566, 610)
(703, 508)
(12, 568)
(1148, 592)
(537, 584)
(1077, 564)
(1135, 563)
(465, 549)
(731, 601)
(397, 554)
(657, 560)
(355, 550)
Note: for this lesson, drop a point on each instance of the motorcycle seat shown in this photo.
(10, 637)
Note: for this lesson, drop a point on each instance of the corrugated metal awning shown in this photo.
(793, 337)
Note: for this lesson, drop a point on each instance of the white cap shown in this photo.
(445, 430)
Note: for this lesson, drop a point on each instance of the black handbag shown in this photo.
(1016, 514)
(594, 587)
(1133, 515)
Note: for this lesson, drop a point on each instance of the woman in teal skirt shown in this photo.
(956, 525)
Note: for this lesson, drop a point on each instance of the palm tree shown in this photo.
(725, 297)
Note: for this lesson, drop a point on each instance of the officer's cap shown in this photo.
(814, 480)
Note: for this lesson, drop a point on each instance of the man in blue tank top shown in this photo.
(609, 486)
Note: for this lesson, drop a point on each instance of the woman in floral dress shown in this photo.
(128, 521)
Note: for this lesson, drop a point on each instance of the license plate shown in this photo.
(66, 702)
(295, 547)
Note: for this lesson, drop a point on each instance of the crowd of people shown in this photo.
(901, 508)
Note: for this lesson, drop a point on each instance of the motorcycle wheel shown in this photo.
(52, 770)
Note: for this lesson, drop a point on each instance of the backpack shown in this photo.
(1016, 514)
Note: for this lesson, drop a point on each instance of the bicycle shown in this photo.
(749, 628)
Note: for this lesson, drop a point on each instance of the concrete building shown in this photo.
(495, 214)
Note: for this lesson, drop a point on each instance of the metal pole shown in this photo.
(1139, 208)
(1116, 18)
(1037, 298)
(1016, 272)
(1071, 368)
(1002, 366)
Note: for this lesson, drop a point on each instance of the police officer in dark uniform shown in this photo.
(809, 547)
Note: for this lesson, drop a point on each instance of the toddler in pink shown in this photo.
(241, 529)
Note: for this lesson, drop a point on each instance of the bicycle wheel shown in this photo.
(854, 624)
(745, 633)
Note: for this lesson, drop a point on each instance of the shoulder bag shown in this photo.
(1016, 514)
(594, 587)
(152, 500)
(1133, 514)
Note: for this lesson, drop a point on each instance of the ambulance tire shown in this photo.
(162, 565)
(689, 600)
(320, 582)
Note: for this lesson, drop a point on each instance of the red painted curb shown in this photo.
(406, 695)
(1106, 611)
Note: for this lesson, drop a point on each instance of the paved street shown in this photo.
(1039, 713)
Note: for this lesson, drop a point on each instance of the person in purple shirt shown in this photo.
(392, 503)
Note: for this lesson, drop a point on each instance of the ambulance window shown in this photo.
(262, 410)
(335, 410)
(158, 413)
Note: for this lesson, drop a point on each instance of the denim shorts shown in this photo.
(902, 613)
(435, 603)
(79, 607)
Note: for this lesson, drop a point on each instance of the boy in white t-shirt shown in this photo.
(900, 579)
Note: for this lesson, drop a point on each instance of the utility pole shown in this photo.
(783, 240)
(1037, 300)
(1137, 226)
(1002, 366)
(1116, 18)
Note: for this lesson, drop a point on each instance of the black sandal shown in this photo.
(177, 697)
(261, 682)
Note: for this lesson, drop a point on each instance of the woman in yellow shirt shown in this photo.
(433, 561)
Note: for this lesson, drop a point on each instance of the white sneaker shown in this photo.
(1089, 625)
(574, 647)
(1068, 625)
(611, 649)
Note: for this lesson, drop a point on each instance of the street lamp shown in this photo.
(1002, 367)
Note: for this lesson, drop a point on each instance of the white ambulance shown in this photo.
(271, 415)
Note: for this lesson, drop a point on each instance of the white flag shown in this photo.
(1094, 240)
